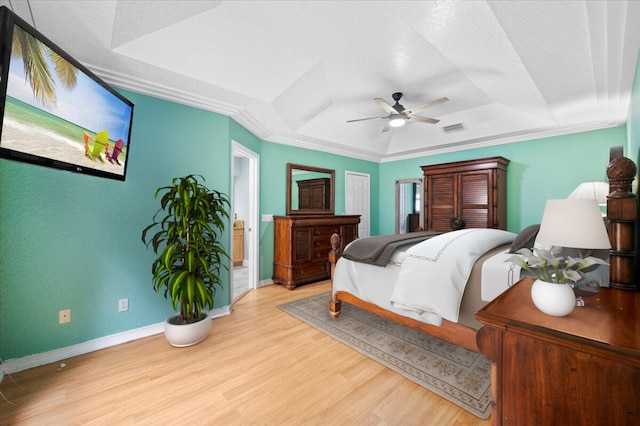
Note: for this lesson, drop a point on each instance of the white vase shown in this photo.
(553, 299)
(187, 334)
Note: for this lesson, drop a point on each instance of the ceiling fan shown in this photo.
(399, 115)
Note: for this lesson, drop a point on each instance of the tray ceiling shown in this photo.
(294, 72)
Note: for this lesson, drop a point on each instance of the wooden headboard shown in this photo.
(622, 213)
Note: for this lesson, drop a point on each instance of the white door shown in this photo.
(244, 200)
(358, 200)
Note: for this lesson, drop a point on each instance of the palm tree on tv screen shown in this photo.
(36, 68)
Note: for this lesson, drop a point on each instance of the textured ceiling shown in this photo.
(294, 72)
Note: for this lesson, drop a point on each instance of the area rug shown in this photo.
(456, 374)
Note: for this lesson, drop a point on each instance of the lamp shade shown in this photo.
(594, 190)
(575, 223)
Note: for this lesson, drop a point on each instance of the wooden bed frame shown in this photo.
(449, 331)
(621, 212)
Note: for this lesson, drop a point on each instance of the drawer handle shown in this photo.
(318, 255)
(317, 232)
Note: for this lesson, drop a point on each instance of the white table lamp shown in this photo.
(575, 223)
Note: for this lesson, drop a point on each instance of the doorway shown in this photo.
(409, 211)
(244, 200)
(358, 200)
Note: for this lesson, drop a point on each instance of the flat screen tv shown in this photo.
(55, 112)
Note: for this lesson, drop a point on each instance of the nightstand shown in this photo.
(582, 369)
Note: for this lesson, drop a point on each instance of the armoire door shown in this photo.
(440, 202)
(473, 198)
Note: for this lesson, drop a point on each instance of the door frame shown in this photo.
(254, 206)
(418, 181)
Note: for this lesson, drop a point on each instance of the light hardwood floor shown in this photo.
(258, 365)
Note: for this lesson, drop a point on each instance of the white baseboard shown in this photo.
(264, 283)
(31, 361)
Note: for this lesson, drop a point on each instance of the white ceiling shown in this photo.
(294, 72)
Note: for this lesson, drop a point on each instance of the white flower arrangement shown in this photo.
(546, 266)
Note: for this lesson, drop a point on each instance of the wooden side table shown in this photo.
(582, 369)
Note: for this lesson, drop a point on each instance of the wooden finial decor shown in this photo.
(622, 212)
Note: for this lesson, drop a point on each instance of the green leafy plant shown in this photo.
(547, 266)
(187, 228)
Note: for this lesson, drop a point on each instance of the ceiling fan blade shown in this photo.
(363, 119)
(425, 106)
(386, 128)
(418, 119)
(385, 106)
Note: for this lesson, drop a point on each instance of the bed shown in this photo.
(370, 286)
(358, 280)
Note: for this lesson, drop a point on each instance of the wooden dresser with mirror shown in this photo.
(302, 237)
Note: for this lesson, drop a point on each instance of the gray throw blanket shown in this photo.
(378, 250)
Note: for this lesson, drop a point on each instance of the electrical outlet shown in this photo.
(123, 305)
(64, 316)
(267, 218)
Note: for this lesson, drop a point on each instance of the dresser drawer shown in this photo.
(324, 231)
(321, 244)
(311, 269)
(321, 253)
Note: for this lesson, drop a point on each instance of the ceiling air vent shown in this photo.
(453, 128)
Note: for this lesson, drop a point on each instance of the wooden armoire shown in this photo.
(466, 194)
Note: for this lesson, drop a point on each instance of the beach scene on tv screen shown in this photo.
(54, 110)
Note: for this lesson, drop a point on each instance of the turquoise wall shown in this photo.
(244, 137)
(73, 241)
(539, 170)
(70, 241)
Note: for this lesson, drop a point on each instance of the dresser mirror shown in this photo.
(310, 190)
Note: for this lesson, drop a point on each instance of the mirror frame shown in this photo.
(330, 210)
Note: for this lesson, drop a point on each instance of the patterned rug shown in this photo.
(454, 373)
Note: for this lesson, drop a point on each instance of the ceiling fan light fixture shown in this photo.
(398, 115)
(396, 122)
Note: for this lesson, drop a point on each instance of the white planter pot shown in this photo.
(553, 299)
(187, 334)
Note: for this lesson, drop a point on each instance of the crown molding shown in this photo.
(249, 122)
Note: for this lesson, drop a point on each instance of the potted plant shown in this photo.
(187, 227)
(552, 291)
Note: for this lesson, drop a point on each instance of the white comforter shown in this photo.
(434, 272)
